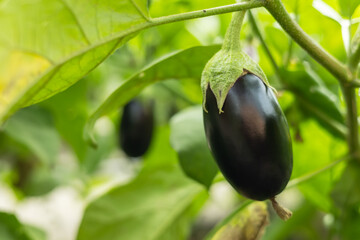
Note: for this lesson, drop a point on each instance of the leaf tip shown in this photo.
(89, 138)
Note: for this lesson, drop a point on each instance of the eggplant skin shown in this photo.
(250, 140)
(136, 128)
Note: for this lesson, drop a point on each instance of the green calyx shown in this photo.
(227, 65)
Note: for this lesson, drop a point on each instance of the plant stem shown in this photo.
(336, 126)
(352, 120)
(232, 36)
(207, 12)
(336, 68)
(308, 176)
(350, 96)
(256, 30)
(355, 58)
(291, 41)
(355, 83)
(355, 50)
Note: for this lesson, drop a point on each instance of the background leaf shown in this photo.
(188, 63)
(34, 128)
(314, 149)
(12, 229)
(189, 141)
(143, 209)
(346, 197)
(316, 100)
(299, 225)
(348, 7)
(63, 42)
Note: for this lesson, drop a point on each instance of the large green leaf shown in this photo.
(301, 219)
(348, 7)
(314, 148)
(188, 63)
(189, 141)
(70, 112)
(12, 229)
(144, 209)
(346, 195)
(316, 100)
(345, 192)
(34, 128)
(48, 45)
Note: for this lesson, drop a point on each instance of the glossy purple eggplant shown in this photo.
(136, 128)
(250, 140)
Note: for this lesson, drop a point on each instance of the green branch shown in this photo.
(232, 36)
(339, 128)
(355, 83)
(291, 41)
(207, 12)
(336, 68)
(258, 33)
(350, 96)
(313, 174)
(352, 120)
(354, 59)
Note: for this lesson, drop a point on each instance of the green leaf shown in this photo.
(181, 228)
(160, 152)
(314, 149)
(189, 141)
(346, 195)
(144, 209)
(301, 219)
(34, 128)
(316, 100)
(348, 7)
(41, 181)
(48, 45)
(70, 112)
(247, 222)
(35, 233)
(166, 7)
(346, 192)
(12, 229)
(187, 63)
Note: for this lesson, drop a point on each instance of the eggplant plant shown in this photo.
(263, 103)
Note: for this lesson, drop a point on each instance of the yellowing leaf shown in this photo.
(17, 73)
(247, 224)
(48, 45)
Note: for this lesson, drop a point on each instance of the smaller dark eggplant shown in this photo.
(136, 128)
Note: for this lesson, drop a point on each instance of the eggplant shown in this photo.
(136, 128)
(250, 139)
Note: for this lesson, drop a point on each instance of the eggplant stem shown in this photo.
(284, 213)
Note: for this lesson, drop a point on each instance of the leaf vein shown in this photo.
(139, 10)
(76, 21)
